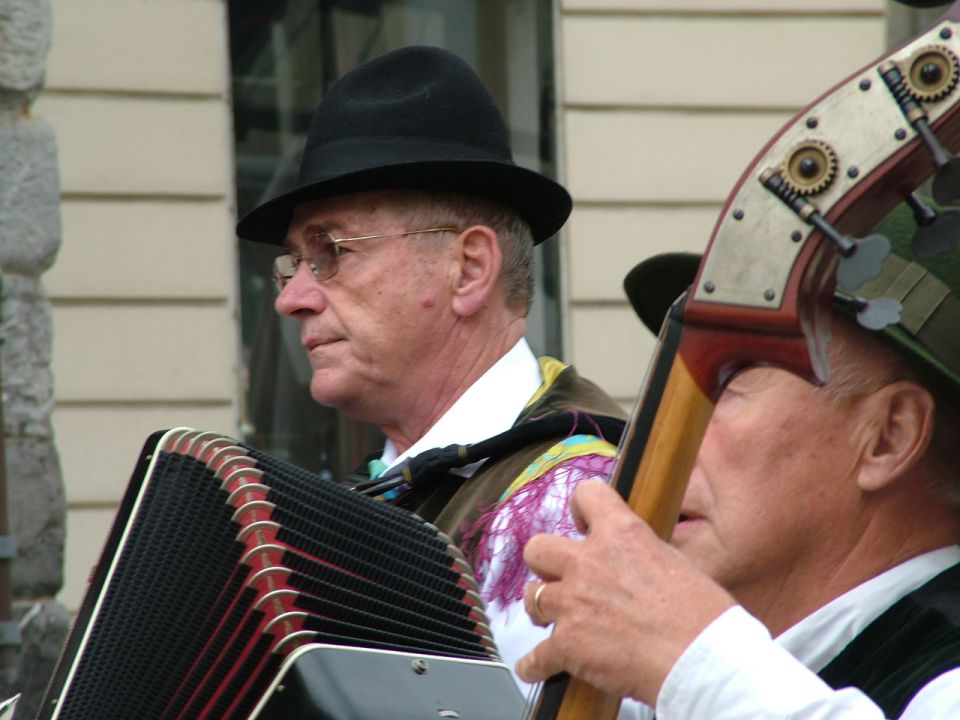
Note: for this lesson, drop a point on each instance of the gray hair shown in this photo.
(435, 209)
(861, 362)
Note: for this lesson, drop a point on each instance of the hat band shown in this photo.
(929, 309)
(370, 154)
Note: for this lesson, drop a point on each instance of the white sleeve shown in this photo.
(735, 670)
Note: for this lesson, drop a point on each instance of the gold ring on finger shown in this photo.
(538, 611)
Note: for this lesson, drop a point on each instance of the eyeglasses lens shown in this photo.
(320, 255)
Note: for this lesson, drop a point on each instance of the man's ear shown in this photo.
(899, 433)
(476, 269)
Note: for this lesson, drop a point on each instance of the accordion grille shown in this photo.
(223, 560)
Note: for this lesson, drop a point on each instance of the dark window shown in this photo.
(284, 53)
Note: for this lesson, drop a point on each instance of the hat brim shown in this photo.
(654, 284)
(543, 203)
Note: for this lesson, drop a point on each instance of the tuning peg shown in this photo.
(937, 232)
(946, 180)
(864, 263)
(861, 259)
(873, 314)
(946, 183)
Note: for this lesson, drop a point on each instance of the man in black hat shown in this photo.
(407, 260)
(826, 518)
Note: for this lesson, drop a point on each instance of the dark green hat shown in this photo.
(929, 327)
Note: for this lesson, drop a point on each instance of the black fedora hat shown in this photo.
(413, 118)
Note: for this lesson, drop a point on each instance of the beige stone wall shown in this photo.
(664, 103)
(144, 315)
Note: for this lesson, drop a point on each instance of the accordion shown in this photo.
(235, 585)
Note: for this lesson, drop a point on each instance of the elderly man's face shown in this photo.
(772, 497)
(369, 330)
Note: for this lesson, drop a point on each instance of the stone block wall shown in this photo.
(29, 241)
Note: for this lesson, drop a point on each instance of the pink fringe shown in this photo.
(526, 518)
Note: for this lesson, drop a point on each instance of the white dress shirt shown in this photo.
(734, 669)
(488, 407)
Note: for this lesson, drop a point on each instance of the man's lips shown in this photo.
(314, 343)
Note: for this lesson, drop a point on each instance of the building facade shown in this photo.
(653, 109)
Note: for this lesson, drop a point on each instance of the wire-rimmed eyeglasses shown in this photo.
(322, 254)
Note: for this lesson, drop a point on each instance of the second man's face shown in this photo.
(368, 331)
(773, 493)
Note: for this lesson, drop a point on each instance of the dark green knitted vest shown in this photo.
(457, 503)
(909, 645)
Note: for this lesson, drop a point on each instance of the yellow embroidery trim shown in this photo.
(550, 368)
(571, 447)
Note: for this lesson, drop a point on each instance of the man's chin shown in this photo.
(338, 393)
(328, 393)
(695, 539)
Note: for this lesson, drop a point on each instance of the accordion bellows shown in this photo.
(224, 563)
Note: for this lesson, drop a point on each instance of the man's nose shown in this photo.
(302, 293)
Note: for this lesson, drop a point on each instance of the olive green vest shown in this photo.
(458, 502)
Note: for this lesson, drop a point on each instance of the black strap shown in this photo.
(360, 476)
(431, 466)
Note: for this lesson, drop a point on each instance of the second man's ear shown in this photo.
(477, 266)
(901, 433)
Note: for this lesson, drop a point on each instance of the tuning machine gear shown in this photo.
(809, 167)
(931, 73)
(946, 179)
(861, 259)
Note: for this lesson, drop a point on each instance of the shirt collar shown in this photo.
(820, 636)
(488, 407)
